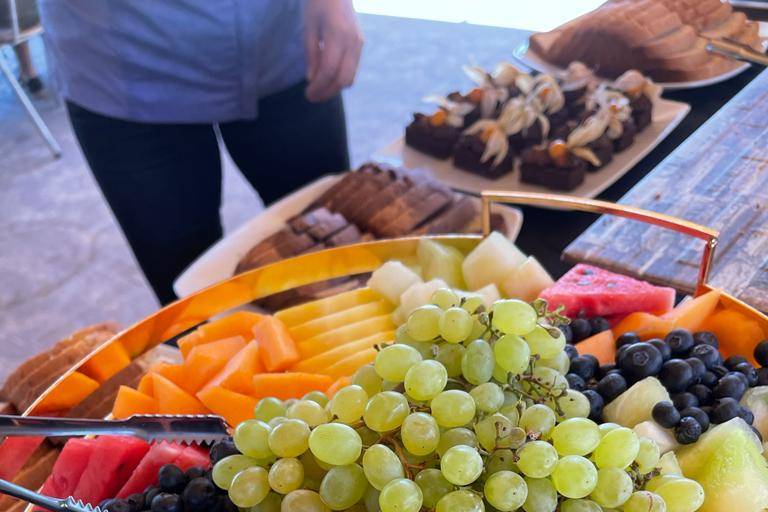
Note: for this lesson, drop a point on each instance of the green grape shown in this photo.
(303, 500)
(499, 374)
(512, 412)
(276, 421)
(479, 331)
(488, 397)
(335, 443)
(249, 487)
(312, 413)
(472, 302)
(316, 396)
(657, 481)
(348, 403)
(541, 342)
(460, 501)
(573, 405)
(513, 316)
(477, 362)
(644, 501)
(542, 496)
(386, 411)
(394, 361)
(368, 436)
(455, 325)
(381, 466)
(648, 455)
(512, 354)
(401, 495)
(371, 500)
(576, 436)
(537, 459)
(420, 434)
(560, 362)
(269, 504)
(226, 469)
(313, 473)
(269, 408)
(433, 486)
(461, 465)
(343, 486)
(289, 439)
(497, 431)
(286, 475)
(252, 439)
(580, 506)
(614, 487)
(445, 298)
(425, 380)
(607, 427)
(537, 418)
(617, 449)
(455, 437)
(545, 381)
(453, 408)
(502, 459)
(449, 355)
(424, 323)
(574, 476)
(506, 490)
(681, 495)
(367, 378)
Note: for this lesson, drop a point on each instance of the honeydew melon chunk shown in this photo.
(663, 437)
(668, 464)
(489, 294)
(526, 281)
(635, 404)
(438, 261)
(727, 462)
(491, 261)
(756, 400)
(417, 295)
(392, 279)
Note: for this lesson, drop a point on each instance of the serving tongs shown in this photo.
(186, 429)
(69, 504)
(736, 51)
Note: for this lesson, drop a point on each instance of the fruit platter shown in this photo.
(460, 378)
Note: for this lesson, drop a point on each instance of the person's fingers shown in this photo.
(349, 65)
(312, 48)
(322, 85)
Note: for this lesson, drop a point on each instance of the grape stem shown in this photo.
(400, 455)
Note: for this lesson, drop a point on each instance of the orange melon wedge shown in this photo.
(129, 402)
(108, 362)
(238, 323)
(146, 385)
(237, 374)
(339, 383)
(277, 348)
(737, 333)
(643, 324)
(233, 407)
(171, 399)
(205, 361)
(70, 392)
(602, 345)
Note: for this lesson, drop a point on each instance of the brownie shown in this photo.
(437, 141)
(537, 167)
(531, 136)
(468, 151)
(627, 137)
(474, 114)
(602, 147)
(642, 111)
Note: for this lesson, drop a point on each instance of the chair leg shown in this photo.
(42, 128)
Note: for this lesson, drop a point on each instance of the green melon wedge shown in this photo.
(635, 404)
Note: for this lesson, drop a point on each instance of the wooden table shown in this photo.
(718, 177)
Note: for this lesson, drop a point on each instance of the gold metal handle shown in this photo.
(561, 202)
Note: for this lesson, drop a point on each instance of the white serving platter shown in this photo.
(219, 261)
(666, 116)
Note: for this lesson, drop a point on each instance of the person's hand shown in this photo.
(333, 42)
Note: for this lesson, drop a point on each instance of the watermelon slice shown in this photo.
(591, 291)
(145, 473)
(69, 467)
(112, 462)
(15, 452)
(193, 457)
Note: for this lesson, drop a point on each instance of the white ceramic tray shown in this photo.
(219, 261)
(666, 116)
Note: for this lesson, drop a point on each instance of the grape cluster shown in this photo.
(468, 411)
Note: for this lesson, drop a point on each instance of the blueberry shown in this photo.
(641, 360)
(583, 366)
(221, 449)
(581, 329)
(665, 414)
(749, 372)
(199, 495)
(702, 393)
(676, 375)
(725, 409)
(598, 324)
(135, 502)
(706, 338)
(743, 378)
(166, 502)
(567, 332)
(698, 369)
(194, 472)
(762, 376)
(149, 494)
(709, 379)
(627, 338)
(611, 386)
(684, 400)
(666, 352)
(732, 361)
(720, 371)
(596, 404)
(747, 415)
(226, 505)
(571, 351)
(707, 354)
(576, 382)
(698, 415)
(118, 505)
(605, 369)
(620, 354)
(680, 341)
(688, 430)
(761, 353)
(171, 478)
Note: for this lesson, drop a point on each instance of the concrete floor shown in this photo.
(63, 260)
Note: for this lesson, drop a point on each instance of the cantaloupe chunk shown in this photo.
(146, 385)
(330, 322)
(237, 374)
(70, 392)
(602, 345)
(277, 348)
(350, 365)
(176, 373)
(302, 313)
(339, 383)
(643, 324)
(691, 314)
(288, 385)
(238, 323)
(342, 335)
(235, 408)
(321, 362)
(205, 361)
(737, 333)
(171, 399)
(107, 363)
(129, 402)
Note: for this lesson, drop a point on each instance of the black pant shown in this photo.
(163, 181)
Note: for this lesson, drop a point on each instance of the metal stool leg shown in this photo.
(42, 128)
